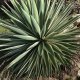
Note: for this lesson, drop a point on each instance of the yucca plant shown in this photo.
(42, 38)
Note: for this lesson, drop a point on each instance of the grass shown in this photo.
(3, 30)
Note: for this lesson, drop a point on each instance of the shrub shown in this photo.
(43, 39)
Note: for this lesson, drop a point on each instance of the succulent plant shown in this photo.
(43, 37)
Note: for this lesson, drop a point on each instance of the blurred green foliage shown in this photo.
(3, 30)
